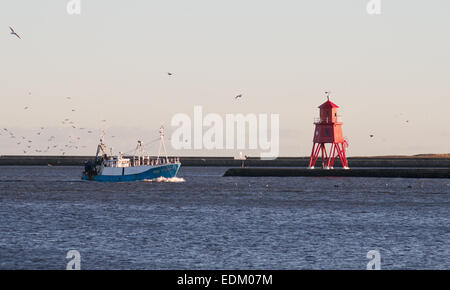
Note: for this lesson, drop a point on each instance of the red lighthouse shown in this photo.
(328, 130)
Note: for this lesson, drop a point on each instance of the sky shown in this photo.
(389, 73)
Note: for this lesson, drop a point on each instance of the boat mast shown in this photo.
(139, 149)
(161, 144)
(140, 153)
(101, 147)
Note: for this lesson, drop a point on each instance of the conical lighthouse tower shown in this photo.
(328, 131)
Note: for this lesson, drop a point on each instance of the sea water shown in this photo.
(201, 220)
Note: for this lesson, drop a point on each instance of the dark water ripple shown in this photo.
(214, 222)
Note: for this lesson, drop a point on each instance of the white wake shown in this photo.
(165, 179)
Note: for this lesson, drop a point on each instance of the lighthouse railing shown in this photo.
(319, 120)
(322, 120)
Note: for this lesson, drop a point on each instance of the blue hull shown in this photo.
(167, 171)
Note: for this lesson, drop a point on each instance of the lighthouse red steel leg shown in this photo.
(339, 152)
(324, 160)
(322, 147)
(344, 157)
(332, 156)
(336, 150)
(316, 155)
(311, 159)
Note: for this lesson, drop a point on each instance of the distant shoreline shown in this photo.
(423, 160)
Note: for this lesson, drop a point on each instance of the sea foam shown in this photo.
(165, 179)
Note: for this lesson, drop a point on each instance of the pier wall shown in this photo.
(230, 162)
(355, 172)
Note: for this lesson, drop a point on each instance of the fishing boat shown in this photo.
(140, 166)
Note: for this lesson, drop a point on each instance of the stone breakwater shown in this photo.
(355, 172)
(372, 162)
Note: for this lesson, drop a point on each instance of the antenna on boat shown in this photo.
(101, 146)
(161, 144)
(102, 136)
(140, 149)
(141, 154)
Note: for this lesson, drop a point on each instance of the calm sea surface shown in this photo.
(212, 222)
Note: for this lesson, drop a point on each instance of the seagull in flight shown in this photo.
(14, 33)
(169, 73)
(238, 96)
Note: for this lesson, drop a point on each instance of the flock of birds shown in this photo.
(71, 123)
(29, 145)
